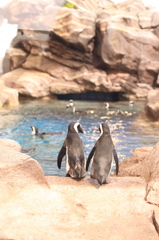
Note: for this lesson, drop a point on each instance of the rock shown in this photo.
(99, 46)
(11, 144)
(151, 174)
(148, 19)
(133, 166)
(116, 50)
(144, 163)
(8, 96)
(152, 104)
(17, 57)
(37, 15)
(81, 20)
(17, 169)
(28, 83)
(78, 209)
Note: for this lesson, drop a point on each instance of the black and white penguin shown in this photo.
(106, 105)
(70, 105)
(74, 151)
(35, 131)
(131, 103)
(101, 156)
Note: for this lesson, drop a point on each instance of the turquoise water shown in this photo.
(128, 131)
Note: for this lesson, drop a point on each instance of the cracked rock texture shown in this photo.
(94, 46)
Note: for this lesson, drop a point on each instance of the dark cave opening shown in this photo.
(91, 96)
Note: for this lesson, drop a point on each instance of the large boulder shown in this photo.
(11, 144)
(37, 15)
(76, 27)
(133, 166)
(151, 174)
(8, 95)
(144, 163)
(152, 104)
(122, 47)
(18, 169)
(28, 83)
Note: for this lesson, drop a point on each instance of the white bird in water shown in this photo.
(106, 104)
(131, 103)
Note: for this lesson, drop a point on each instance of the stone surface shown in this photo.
(11, 143)
(99, 46)
(8, 96)
(144, 163)
(133, 166)
(76, 27)
(151, 174)
(126, 49)
(78, 210)
(18, 170)
(37, 15)
(152, 104)
(29, 83)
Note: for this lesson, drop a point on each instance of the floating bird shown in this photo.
(106, 104)
(35, 131)
(81, 111)
(70, 105)
(74, 151)
(131, 103)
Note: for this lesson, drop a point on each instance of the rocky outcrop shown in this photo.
(144, 163)
(133, 166)
(8, 96)
(99, 46)
(30, 83)
(11, 144)
(151, 174)
(152, 104)
(18, 170)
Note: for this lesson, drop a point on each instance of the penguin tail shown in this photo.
(79, 171)
(101, 180)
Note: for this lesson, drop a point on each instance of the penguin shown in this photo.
(35, 131)
(74, 151)
(70, 105)
(106, 105)
(131, 103)
(102, 155)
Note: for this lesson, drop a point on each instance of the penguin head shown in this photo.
(75, 126)
(34, 130)
(104, 128)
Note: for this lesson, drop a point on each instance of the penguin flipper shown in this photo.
(116, 161)
(61, 154)
(90, 157)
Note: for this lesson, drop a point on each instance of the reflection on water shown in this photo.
(129, 130)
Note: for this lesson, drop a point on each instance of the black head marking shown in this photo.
(104, 128)
(75, 126)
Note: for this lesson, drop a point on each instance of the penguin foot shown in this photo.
(67, 175)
